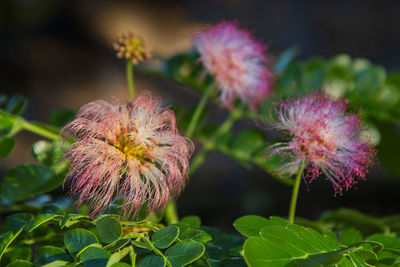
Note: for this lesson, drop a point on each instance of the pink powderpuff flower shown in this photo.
(237, 61)
(130, 150)
(326, 138)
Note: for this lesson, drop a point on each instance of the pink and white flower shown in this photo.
(130, 150)
(237, 61)
(325, 137)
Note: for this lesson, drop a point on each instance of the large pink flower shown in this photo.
(130, 150)
(326, 138)
(237, 61)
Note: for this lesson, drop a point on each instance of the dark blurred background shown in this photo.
(58, 53)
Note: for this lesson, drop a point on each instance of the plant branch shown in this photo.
(197, 113)
(295, 193)
(171, 212)
(33, 127)
(38, 129)
(129, 78)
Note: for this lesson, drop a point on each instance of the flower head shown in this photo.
(326, 138)
(237, 61)
(131, 47)
(130, 150)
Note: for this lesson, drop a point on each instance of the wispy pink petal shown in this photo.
(130, 150)
(237, 61)
(324, 136)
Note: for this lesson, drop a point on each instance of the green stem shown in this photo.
(157, 251)
(129, 78)
(132, 256)
(228, 123)
(198, 159)
(209, 145)
(199, 109)
(295, 193)
(37, 129)
(171, 212)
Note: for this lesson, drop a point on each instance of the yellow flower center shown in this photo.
(128, 145)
